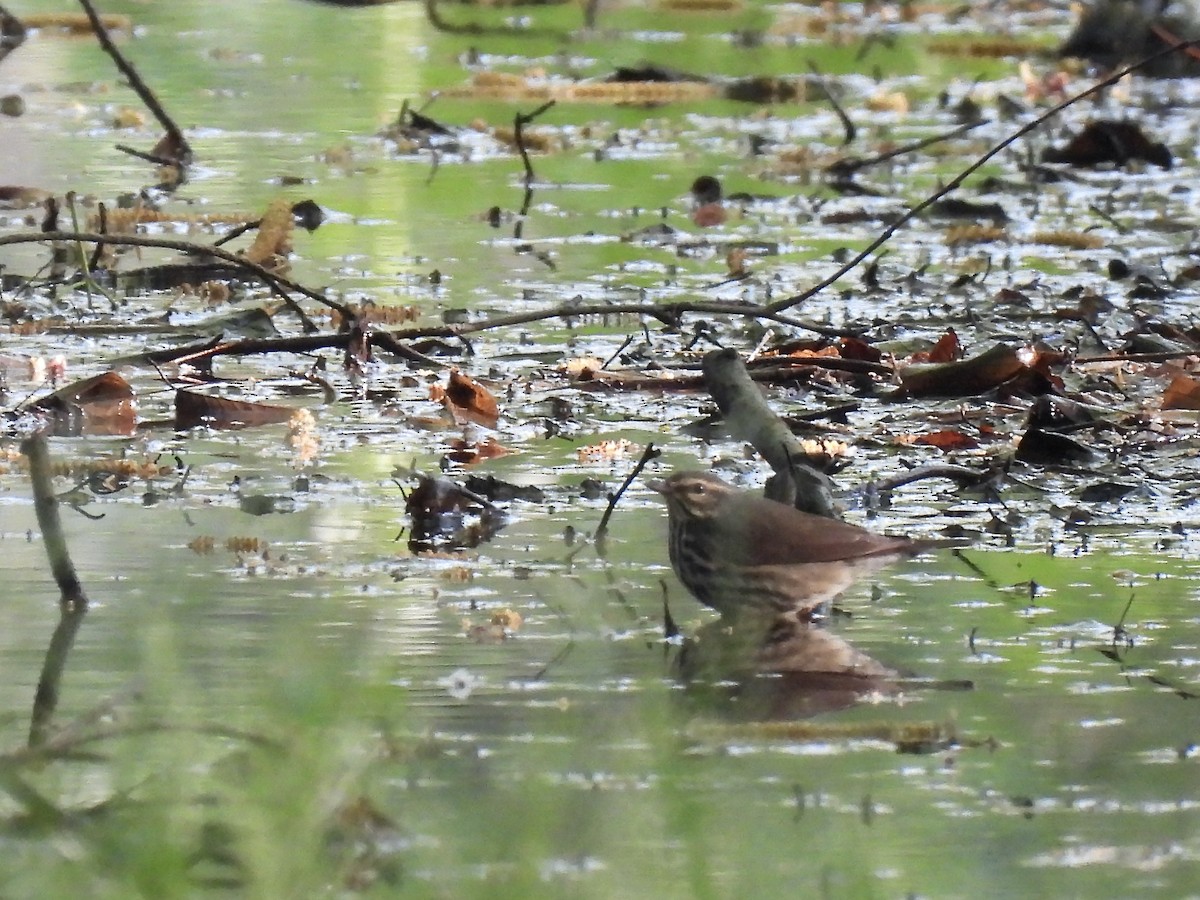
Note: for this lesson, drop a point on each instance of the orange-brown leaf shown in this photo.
(102, 404)
(469, 454)
(1182, 393)
(857, 348)
(948, 439)
(468, 400)
(947, 349)
(193, 409)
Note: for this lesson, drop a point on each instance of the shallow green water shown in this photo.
(567, 760)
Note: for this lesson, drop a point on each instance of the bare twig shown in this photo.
(667, 313)
(844, 168)
(98, 250)
(1161, 356)
(1119, 631)
(194, 355)
(847, 125)
(964, 476)
(519, 123)
(277, 283)
(183, 151)
(440, 24)
(156, 158)
(651, 452)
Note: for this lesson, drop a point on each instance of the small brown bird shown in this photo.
(736, 551)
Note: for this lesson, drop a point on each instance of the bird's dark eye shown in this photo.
(697, 488)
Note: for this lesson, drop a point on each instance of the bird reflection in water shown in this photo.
(764, 666)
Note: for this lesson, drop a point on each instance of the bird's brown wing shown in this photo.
(781, 535)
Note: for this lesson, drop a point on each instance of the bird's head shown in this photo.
(694, 495)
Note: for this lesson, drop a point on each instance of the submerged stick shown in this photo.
(519, 123)
(46, 507)
(73, 602)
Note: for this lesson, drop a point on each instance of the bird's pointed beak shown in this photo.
(657, 485)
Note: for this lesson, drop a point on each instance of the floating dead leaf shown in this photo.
(469, 454)
(955, 208)
(508, 619)
(128, 117)
(499, 627)
(947, 439)
(14, 196)
(974, 234)
(827, 352)
(890, 101)
(1188, 274)
(1042, 361)
(857, 348)
(539, 140)
(488, 633)
(438, 496)
(965, 377)
(494, 489)
(193, 410)
(583, 367)
(507, 86)
(604, 451)
(243, 544)
(946, 350)
(467, 400)
(446, 514)
(102, 404)
(105, 469)
(1108, 141)
(1051, 412)
(202, 545)
(1106, 492)
(1182, 393)
(1051, 449)
(458, 574)
(1047, 84)
(1012, 297)
(266, 504)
